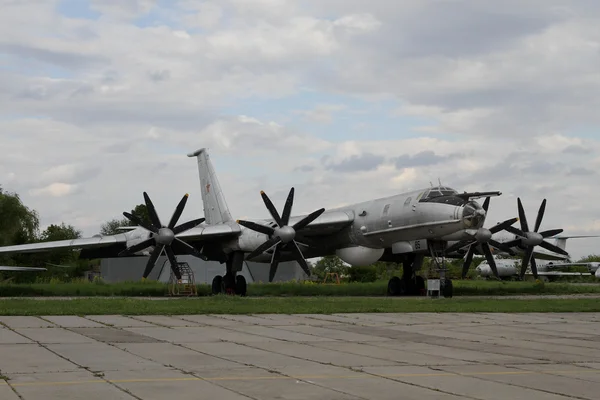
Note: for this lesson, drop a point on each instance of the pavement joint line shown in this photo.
(358, 375)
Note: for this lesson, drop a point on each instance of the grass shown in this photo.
(155, 289)
(287, 305)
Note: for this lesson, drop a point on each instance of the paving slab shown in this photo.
(171, 384)
(24, 322)
(72, 321)
(8, 336)
(444, 356)
(176, 356)
(119, 321)
(31, 358)
(6, 392)
(113, 335)
(164, 321)
(53, 335)
(100, 357)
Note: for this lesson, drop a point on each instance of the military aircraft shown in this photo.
(508, 268)
(360, 234)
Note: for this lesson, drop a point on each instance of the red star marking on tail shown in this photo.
(208, 188)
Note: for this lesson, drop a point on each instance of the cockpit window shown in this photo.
(437, 192)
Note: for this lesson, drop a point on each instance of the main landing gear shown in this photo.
(412, 284)
(231, 283)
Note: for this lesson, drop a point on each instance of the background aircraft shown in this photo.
(359, 234)
(12, 268)
(508, 268)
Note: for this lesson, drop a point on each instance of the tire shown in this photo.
(396, 287)
(420, 286)
(447, 289)
(217, 284)
(240, 285)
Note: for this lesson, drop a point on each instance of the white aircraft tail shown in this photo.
(216, 210)
(561, 241)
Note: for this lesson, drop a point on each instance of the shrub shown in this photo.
(362, 274)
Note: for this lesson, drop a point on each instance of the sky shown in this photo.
(345, 100)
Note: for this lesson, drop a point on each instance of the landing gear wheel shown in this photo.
(396, 287)
(420, 282)
(217, 284)
(229, 284)
(447, 289)
(240, 285)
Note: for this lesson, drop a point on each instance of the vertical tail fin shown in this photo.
(215, 207)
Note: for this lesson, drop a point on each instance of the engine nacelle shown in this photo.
(359, 256)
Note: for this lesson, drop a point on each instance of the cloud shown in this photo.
(342, 99)
(356, 163)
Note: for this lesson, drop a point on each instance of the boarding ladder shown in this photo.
(186, 286)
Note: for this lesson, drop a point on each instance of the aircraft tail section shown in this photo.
(216, 210)
(561, 241)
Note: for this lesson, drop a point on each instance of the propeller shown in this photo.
(282, 237)
(163, 236)
(483, 237)
(530, 239)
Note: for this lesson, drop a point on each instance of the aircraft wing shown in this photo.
(4, 268)
(325, 224)
(84, 243)
(208, 232)
(115, 243)
(558, 273)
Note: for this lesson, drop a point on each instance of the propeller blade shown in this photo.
(152, 211)
(458, 245)
(526, 258)
(512, 243)
(490, 258)
(173, 261)
(486, 204)
(274, 262)
(514, 231)
(503, 225)
(524, 225)
(178, 211)
(468, 260)
(308, 219)
(263, 247)
(534, 270)
(550, 233)
(553, 248)
(300, 258)
(501, 246)
(287, 208)
(139, 222)
(187, 225)
(271, 208)
(267, 230)
(540, 215)
(137, 247)
(192, 250)
(152, 260)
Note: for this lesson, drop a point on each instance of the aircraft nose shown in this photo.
(473, 215)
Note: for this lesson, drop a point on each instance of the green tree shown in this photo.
(590, 258)
(18, 223)
(112, 227)
(60, 232)
(141, 211)
(329, 264)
